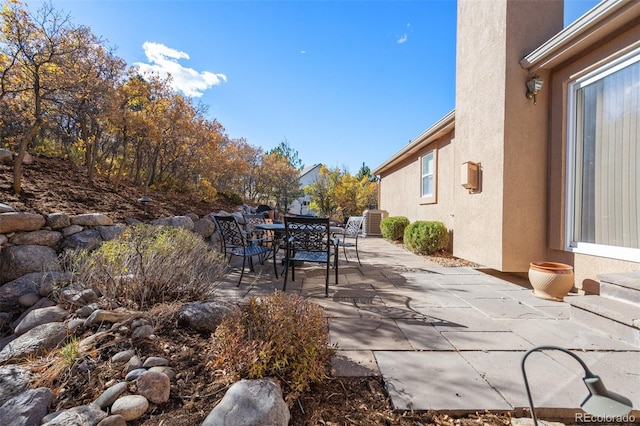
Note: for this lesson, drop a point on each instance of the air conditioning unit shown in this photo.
(371, 222)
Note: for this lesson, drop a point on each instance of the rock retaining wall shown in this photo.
(31, 323)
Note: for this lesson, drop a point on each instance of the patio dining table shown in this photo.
(279, 230)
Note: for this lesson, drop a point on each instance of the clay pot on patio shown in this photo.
(551, 280)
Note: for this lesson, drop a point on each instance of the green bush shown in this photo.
(426, 237)
(281, 335)
(149, 265)
(392, 227)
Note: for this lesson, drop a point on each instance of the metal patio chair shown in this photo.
(238, 242)
(309, 239)
(350, 236)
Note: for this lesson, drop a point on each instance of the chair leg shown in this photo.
(244, 259)
(344, 250)
(275, 265)
(286, 273)
(326, 280)
(357, 255)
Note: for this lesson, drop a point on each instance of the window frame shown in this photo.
(429, 198)
(594, 249)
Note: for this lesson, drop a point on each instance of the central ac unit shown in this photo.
(371, 222)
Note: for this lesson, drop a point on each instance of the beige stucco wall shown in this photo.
(586, 267)
(400, 189)
(502, 226)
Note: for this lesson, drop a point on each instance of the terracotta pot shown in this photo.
(551, 280)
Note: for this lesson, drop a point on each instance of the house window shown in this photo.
(603, 179)
(428, 173)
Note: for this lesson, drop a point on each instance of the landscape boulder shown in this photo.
(204, 227)
(250, 403)
(177, 221)
(58, 220)
(36, 282)
(41, 237)
(35, 341)
(89, 239)
(91, 219)
(16, 261)
(204, 316)
(14, 379)
(20, 221)
(28, 408)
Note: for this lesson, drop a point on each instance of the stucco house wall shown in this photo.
(401, 189)
(518, 213)
(583, 59)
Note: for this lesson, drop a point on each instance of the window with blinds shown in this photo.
(604, 161)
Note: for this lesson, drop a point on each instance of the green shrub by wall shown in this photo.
(426, 237)
(392, 228)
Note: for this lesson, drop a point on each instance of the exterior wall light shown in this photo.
(599, 402)
(533, 87)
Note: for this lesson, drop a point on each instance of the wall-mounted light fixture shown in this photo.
(469, 175)
(599, 401)
(533, 87)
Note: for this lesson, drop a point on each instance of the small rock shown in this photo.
(144, 331)
(81, 415)
(116, 420)
(74, 323)
(85, 311)
(40, 316)
(123, 356)
(170, 372)
(134, 374)
(154, 386)
(109, 396)
(130, 407)
(134, 363)
(29, 299)
(154, 361)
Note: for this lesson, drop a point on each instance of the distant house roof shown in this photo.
(308, 169)
(308, 175)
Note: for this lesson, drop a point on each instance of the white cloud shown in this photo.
(303, 52)
(404, 37)
(163, 60)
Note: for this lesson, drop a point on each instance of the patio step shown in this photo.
(622, 286)
(616, 311)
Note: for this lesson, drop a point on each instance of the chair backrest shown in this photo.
(308, 233)
(229, 230)
(251, 220)
(352, 228)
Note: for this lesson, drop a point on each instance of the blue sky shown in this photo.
(343, 81)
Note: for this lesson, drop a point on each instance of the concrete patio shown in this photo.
(452, 339)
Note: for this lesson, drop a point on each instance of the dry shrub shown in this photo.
(149, 265)
(281, 335)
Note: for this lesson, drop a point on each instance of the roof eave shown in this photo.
(586, 30)
(440, 128)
